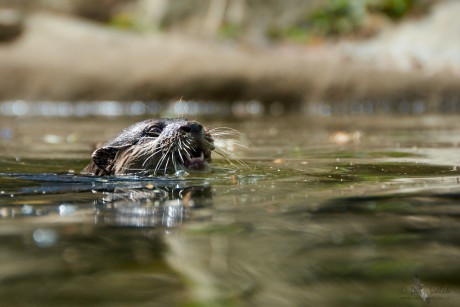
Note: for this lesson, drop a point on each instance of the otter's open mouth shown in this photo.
(198, 160)
(195, 163)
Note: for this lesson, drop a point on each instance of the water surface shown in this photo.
(334, 210)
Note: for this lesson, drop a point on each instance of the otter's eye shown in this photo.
(154, 131)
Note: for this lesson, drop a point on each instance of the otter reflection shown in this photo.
(164, 206)
(133, 202)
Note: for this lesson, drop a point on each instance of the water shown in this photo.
(333, 210)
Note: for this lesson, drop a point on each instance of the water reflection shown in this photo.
(329, 212)
(129, 202)
(159, 207)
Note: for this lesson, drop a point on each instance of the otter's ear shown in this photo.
(103, 157)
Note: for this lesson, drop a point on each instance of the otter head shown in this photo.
(154, 147)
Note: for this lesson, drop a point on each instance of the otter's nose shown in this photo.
(191, 127)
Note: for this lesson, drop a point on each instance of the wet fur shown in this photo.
(134, 151)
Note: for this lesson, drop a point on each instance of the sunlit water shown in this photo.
(328, 211)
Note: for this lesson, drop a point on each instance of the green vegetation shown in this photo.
(124, 21)
(292, 21)
(395, 8)
(348, 17)
(337, 17)
(231, 31)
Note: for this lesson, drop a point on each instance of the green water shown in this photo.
(328, 211)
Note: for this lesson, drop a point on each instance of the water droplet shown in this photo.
(45, 237)
(53, 139)
(6, 133)
(66, 209)
(181, 173)
(27, 209)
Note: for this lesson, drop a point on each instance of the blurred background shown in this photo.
(349, 190)
(246, 56)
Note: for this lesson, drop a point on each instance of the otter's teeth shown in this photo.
(197, 159)
(195, 162)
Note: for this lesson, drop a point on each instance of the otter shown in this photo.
(155, 146)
